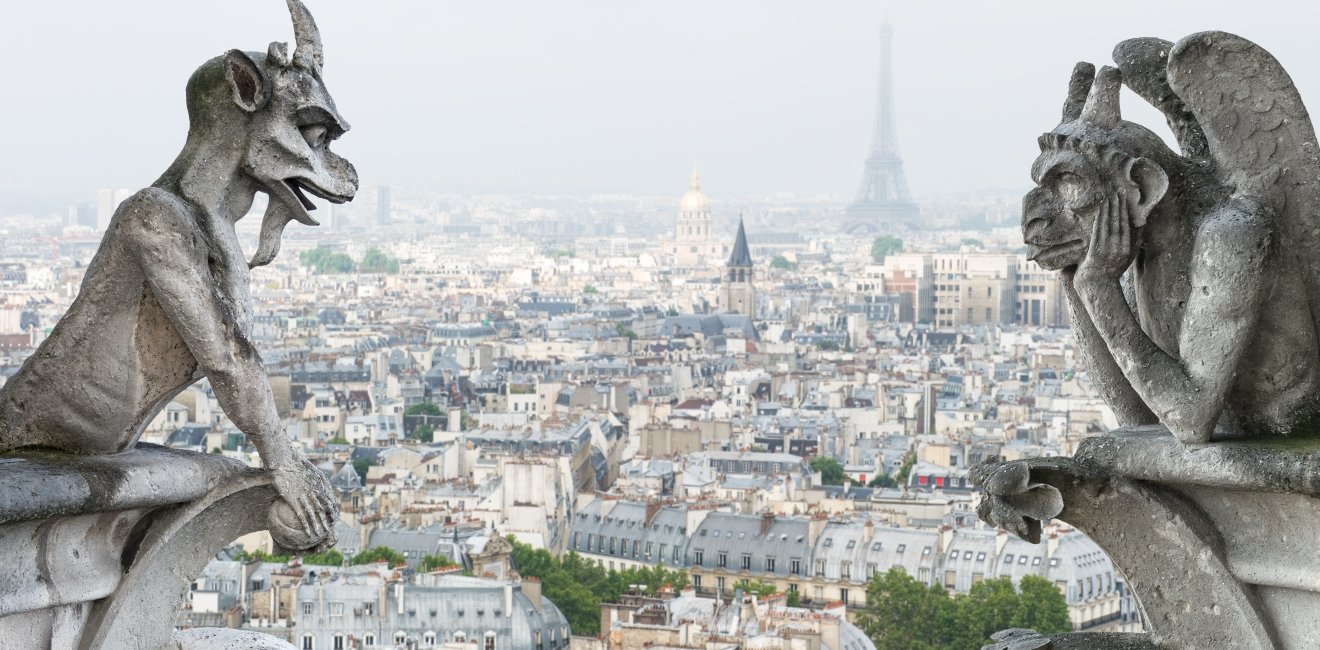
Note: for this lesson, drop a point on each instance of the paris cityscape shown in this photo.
(697, 418)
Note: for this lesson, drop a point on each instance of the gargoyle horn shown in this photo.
(1101, 107)
(307, 55)
(1083, 75)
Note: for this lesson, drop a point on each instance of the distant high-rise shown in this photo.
(383, 205)
(883, 200)
(737, 293)
(107, 201)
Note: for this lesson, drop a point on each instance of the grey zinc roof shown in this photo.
(599, 521)
(887, 547)
(738, 535)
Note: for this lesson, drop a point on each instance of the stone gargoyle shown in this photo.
(1217, 331)
(166, 299)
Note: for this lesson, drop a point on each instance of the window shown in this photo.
(843, 595)
(698, 557)
(870, 570)
(820, 567)
(676, 554)
(1035, 561)
(1054, 561)
(953, 555)
(399, 638)
(852, 544)
(722, 559)
(648, 550)
(746, 562)
(1008, 559)
(980, 557)
(719, 585)
(696, 582)
(770, 565)
(429, 638)
(490, 641)
(829, 541)
(967, 555)
(339, 642)
(846, 570)
(949, 578)
(637, 544)
(309, 608)
(1022, 559)
(876, 546)
(369, 639)
(612, 539)
(577, 539)
(336, 609)
(795, 566)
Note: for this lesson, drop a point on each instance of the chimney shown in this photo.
(829, 632)
(652, 509)
(816, 526)
(508, 599)
(868, 531)
(531, 588)
(767, 520)
(455, 421)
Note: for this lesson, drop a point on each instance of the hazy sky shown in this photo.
(603, 95)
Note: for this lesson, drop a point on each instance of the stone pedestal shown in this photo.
(1220, 542)
(98, 552)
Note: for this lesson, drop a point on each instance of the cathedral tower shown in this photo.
(737, 294)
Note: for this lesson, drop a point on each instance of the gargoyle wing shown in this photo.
(1258, 133)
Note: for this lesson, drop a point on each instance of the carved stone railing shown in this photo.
(99, 551)
(1219, 542)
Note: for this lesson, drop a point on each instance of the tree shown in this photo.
(794, 598)
(625, 332)
(882, 481)
(831, 472)
(379, 554)
(903, 614)
(374, 261)
(972, 241)
(905, 469)
(990, 606)
(331, 557)
(578, 586)
(781, 262)
(260, 556)
(423, 408)
(590, 289)
(362, 465)
(884, 246)
(337, 440)
(424, 433)
(324, 260)
(1042, 607)
(828, 346)
(758, 589)
(431, 562)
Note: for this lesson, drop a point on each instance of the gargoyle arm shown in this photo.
(172, 253)
(1104, 372)
(1228, 287)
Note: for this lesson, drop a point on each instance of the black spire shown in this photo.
(741, 256)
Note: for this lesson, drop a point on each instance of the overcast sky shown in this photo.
(763, 95)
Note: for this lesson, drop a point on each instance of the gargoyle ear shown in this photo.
(251, 92)
(1152, 182)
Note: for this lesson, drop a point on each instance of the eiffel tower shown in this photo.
(883, 201)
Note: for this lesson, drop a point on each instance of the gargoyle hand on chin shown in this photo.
(1110, 252)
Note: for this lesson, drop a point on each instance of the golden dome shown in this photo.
(694, 200)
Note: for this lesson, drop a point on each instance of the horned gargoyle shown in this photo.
(166, 299)
(1218, 334)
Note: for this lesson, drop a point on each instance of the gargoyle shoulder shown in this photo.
(153, 214)
(1241, 224)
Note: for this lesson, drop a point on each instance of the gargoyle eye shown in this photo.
(314, 134)
(1067, 177)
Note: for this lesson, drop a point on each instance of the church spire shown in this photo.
(741, 256)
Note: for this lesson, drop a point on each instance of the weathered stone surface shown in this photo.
(39, 485)
(167, 297)
(1220, 333)
(210, 638)
(1029, 640)
(1270, 464)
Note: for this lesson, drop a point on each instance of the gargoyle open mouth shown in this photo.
(299, 185)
